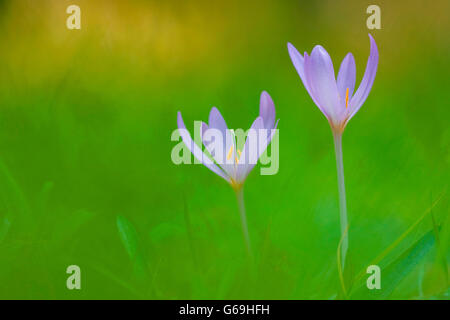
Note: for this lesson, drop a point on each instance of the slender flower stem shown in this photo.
(240, 200)
(342, 202)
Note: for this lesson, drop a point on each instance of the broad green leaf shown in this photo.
(396, 271)
(388, 251)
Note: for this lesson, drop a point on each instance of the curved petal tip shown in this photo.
(265, 94)
(180, 122)
(267, 110)
(293, 52)
(373, 46)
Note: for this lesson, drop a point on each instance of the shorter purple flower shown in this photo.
(230, 163)
(335, 98)
(223, 156)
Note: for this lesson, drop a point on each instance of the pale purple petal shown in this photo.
(216, 121)
(310, 90)
(271, 134)
(347, 76)
(211, 145)
(206, 142)
(262, 146)
(196, 151)
(267, 110)
(249, 156)
(367, 81)
(229, 165)
(322, 82)
(299, 63)
(252, 150)
(204, 127)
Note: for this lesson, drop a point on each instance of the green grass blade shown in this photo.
(43, 197)
(440, 252)
(130, 241)
(11, 195)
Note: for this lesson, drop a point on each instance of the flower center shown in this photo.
(346, 99)
(230, 152)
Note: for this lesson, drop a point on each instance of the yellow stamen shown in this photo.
(230, 152)
(346, 99)
(236, 158)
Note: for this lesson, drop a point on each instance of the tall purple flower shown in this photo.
(337, 101)
(230, 163)
(335, 98)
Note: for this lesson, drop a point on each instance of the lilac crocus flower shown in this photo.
(230, 163)
(337, 101)
(335, 98)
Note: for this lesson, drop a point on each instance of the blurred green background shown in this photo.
(86, 176)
